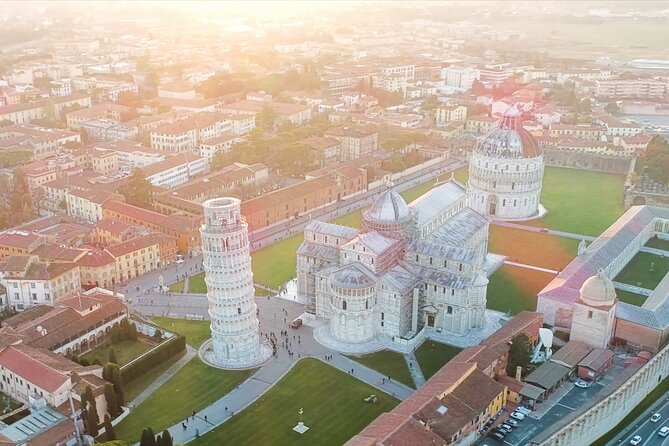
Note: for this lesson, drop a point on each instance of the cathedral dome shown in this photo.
(389, 207)
(509, 139)
(352, 277)
(598, 291)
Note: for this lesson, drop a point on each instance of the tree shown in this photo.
(112, 356)
(265, 119)
(138, 191)
(110, 435)
(148, 438)
(167, 439)
(117, 380)
(613, 108)
(295, 158)
(92, 409)
(92, 420)
(158, 334)
(520, 353)
(112, 404)
(133, 332)
(115, 333)
(20, 203)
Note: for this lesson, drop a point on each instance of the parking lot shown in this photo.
(560, 406)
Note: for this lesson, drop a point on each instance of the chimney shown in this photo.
(519, 373)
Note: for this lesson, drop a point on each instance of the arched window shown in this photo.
(343, 305)
(449, 310)
(239, 310)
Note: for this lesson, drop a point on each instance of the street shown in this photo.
(645, 428)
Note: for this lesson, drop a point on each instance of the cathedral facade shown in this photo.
(410, 267)
(506, 171)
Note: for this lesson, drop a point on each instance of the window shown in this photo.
(449, 310)
(589, 314)
(239, 310)
(343, 305)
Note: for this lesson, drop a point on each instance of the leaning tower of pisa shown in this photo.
(235, 330)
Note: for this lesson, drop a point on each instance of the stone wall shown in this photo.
(587, 161)
(587, 425)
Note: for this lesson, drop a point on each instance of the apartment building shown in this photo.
(630, 88)
(357, 140)
(175, 170)
(450, 113)
(185, 135)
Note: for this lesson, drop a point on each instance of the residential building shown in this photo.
(115, 112)
(130, 155)
(296, 114)
(177, 90)
(630, 89)
(42, 142)
(175, 170)
(450, 113)
(143, 254)
(185, 136)
(480, 124)
(108, 130)
(30, 282)
(326, 149)
(461, 78)
(222, 144)
(357, 141)
(87, 204)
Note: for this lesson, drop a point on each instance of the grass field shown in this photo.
(177, 287)
(196, 284)
(580, 201)
(333, 408)
(631, 298)
(353, 220)
(432, 356)
(387, 363)
(125, 351)
(275, 265)
(193, 388)
(512, 289)
(196, 332)
(137, 385)
(638, 270)
(658, 243)
(538, 249)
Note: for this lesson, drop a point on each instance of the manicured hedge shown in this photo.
(153, 358)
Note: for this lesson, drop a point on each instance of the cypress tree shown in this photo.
(117, 379)
(112, 356)
(109, 429)
(92, 409)
(150, 437)
(167, 438)
(92, 423)
(110, 397)
(143, 440)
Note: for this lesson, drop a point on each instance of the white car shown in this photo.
(523, 410)
(636, 440)
(582, 384)
(663, 432)
(511, 422)
(655, 418)
(518, 416)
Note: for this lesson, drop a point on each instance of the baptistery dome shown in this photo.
(506, 171)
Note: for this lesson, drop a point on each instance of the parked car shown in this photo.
(506, 427)
(497, 436)
(582, 384)
(655, 418)
(636, 440)
(663, 432)
(511, 422)
(518, 416)
(502, 432)
(524, 410)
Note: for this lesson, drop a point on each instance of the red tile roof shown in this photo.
(21, 363)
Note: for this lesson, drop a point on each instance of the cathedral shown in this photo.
(411, 267)
(506, 171)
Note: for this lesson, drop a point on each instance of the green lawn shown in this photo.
(658, 243)
(333, 406)
(353, 220)
(275, 265)
(125, 351)
(7, 404)
(196, 284)
(512, 289)
(432, 356)
(581, 201)
(262, 293)
(638, 270)
(193, 388)
(137, 385)
(387, 363)
(631, 298)
(177, 287)
(196, 332)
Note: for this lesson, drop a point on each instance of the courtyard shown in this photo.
(512, 289)
(195, 332)
(332, 401)
(645, 270)
(125, 351)
(192, 388)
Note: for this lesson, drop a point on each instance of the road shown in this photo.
(646, 429)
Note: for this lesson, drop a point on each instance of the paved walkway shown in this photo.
(532, 267)
(633, 288)
(522, 227)
(414, 368)
(139, 399)
(656, 251)
(186, 284)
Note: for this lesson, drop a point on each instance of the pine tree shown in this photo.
(133, 332)
(110, 397)
(112, 356)
(115, 333)
(109, 429)
(167, 438)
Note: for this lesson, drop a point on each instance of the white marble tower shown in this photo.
(227, 267)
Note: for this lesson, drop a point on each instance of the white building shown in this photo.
(175, 170)
(412, 270)
(461, 78)
(450, 113)
(506, 172)
(109, 130)
(227, 265)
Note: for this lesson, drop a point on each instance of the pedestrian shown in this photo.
(183, 425)
(205, 418)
